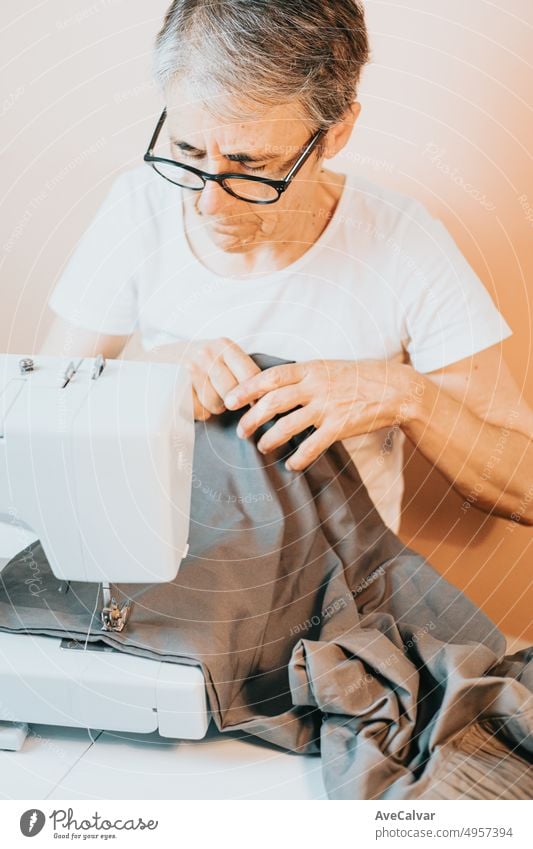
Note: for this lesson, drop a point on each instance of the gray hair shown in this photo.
(266, 52)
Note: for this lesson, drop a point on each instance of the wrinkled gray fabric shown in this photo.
(318, 630)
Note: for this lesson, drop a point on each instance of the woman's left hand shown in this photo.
(341, 398)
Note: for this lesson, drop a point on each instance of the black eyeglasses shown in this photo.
(245, 187)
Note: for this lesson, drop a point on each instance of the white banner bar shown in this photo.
(258, 824)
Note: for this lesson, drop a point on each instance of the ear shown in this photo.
(338, 135)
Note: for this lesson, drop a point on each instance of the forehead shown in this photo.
(228, 120)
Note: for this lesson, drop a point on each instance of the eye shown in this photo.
(257, 168)
(181, 152)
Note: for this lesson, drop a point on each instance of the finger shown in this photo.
(222, 378)
(240, 363)
(255, 387)
(309, 449)
(230, 367)
(207, 394)
(199, 411)
(284, 429)
(277, 401)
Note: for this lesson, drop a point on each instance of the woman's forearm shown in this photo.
(173, 353)
(490, 465)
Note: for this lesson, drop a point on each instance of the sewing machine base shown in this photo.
(53, 681)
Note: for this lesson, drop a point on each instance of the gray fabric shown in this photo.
(317, 630)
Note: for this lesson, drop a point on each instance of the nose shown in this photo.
(213, 199)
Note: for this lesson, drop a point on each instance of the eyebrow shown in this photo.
(233, 157)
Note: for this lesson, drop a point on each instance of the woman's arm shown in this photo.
(471, 422)
(64, 339)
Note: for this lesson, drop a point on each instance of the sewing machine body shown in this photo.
(96, 459)
(100, 469)
(54, 681)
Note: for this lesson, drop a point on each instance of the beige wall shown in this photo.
(445, 118)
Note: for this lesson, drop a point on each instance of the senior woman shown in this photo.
(238, 239)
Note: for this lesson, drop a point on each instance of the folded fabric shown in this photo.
(317, 630)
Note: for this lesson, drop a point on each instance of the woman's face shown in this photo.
(266, 146)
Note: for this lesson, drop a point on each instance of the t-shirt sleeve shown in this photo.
(448, 312)
(98, 287)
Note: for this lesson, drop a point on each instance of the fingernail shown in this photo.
(230, 400)
(240, 430)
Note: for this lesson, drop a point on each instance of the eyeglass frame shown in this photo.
(279, 185)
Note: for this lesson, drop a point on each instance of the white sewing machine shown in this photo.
(96, 459)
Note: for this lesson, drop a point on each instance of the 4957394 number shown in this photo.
(486, 831)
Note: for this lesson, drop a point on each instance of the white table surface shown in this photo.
(61, 763)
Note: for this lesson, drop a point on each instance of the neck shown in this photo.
(294, 233)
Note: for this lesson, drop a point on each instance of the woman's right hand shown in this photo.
(216, 366)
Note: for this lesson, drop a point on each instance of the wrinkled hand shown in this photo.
(341, 398)
(216, 366)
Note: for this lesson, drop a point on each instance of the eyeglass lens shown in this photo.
(245, 189)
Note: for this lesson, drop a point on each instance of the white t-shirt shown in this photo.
(384, 277)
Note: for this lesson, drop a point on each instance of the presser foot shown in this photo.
(115, 618)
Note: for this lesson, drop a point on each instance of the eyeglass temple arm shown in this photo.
(303, 157)
(157, 130)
